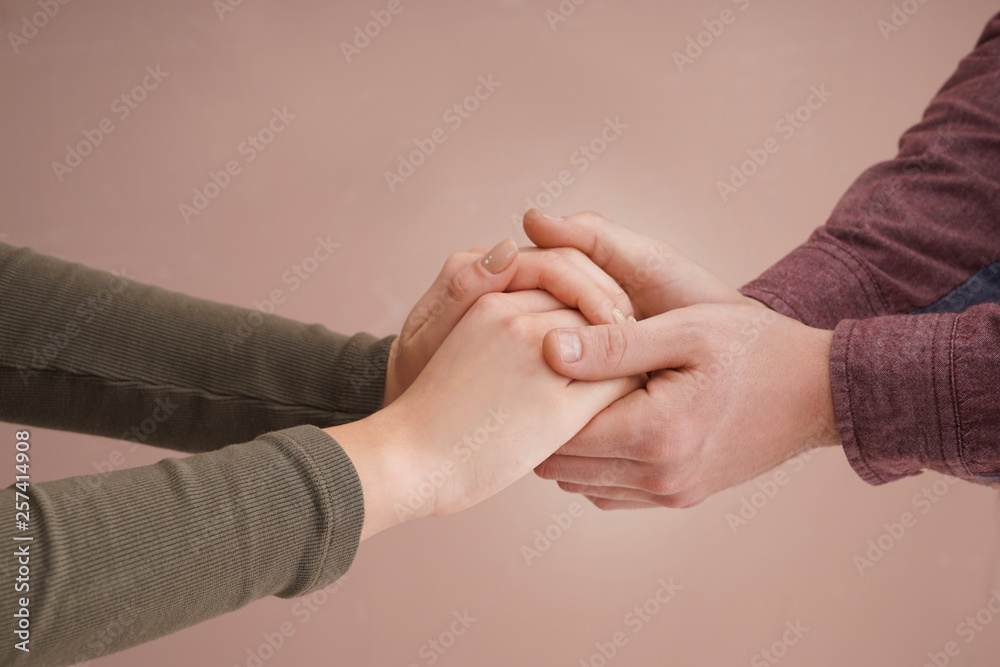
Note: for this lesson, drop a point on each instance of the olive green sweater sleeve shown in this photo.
(94, 352)
(132, 555)
(120, 558)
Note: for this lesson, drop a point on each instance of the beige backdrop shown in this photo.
(218, 73)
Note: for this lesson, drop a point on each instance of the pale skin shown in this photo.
(706, 390)
(478, 414)
(734, 389)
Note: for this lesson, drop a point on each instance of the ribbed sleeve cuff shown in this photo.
(894, 396)
(359, 374)
(818, 284)
(338, 496)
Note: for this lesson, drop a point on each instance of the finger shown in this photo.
(636, 261)
(539, 301)
(623, 430)
(610, 492)
(605, 504)
(617, 494)
(463, 279)
(615, 249)
(575, 280)
(670, 340)
(598, 472)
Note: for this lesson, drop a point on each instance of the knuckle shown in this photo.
(556, 265)
(649, 450)
(592, 216)
(458, 287)
(491, 301)
(568, 254)
(521, 326)
(453, 264)
(489, 307)
(659, 484)
(615, 342)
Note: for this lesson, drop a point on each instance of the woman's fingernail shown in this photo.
(570, 347)
(552, 217)
(500, 257)
(618, 316)
(631, 318)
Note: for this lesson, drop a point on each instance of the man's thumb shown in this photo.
(615, 350)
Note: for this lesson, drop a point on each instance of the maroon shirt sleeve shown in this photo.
(920, 232)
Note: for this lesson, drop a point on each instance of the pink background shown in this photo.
(324, 175)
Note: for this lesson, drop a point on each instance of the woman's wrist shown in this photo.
(377, 447)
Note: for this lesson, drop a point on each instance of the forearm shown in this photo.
(88, 351)
(920, 392)
(911, 230)
(125, 557)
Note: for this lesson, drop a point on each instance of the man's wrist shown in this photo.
(825, 433)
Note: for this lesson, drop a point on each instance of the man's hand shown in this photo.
(735, 390)
(656, 277)
(565, 273)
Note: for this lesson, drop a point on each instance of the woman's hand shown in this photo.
(484, 412)
(566, 273)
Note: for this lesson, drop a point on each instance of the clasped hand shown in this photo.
(601, 359)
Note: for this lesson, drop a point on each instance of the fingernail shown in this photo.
(618, 315)
(500, 257)
(631, 318)
(570, 347)
(535, 213)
